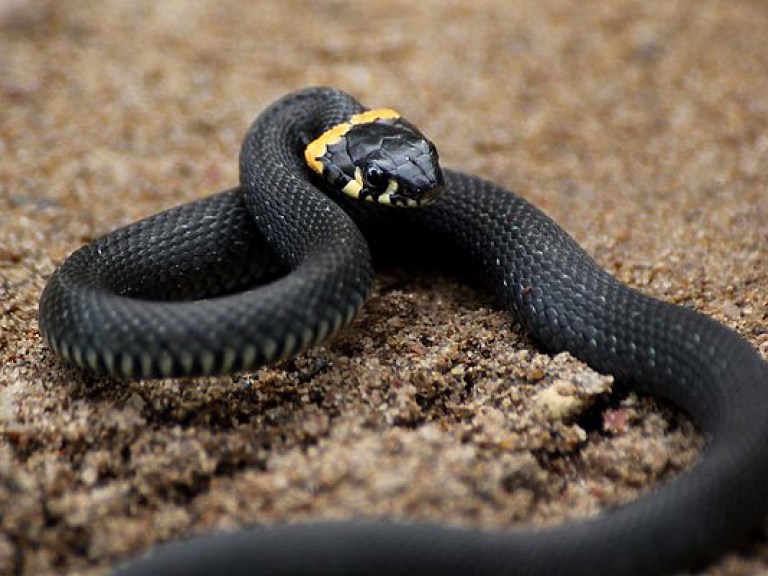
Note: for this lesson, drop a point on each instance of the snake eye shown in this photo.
(375, 177)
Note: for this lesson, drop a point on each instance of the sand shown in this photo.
(642, 127)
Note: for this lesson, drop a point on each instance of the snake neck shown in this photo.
(280, 191)
(284, 129)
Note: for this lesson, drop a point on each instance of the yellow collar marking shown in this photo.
(316, 149)
(373, 115)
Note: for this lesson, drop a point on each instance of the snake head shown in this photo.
(378, 156)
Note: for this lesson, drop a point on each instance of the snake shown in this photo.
(281, 262)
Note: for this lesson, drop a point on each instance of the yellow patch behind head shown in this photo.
(373, 115)
(316, 149)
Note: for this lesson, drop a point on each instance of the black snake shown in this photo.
(262, 271)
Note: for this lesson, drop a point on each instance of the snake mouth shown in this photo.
(431, 194)
(421, 197)
(403, 195)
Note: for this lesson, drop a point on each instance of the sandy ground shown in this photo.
(642, 127)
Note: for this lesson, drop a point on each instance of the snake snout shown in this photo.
(421, 179)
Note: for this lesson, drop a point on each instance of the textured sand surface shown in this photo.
(642, 127)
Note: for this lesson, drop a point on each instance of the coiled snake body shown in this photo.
(174, 294)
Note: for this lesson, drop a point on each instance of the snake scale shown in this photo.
(274, 266)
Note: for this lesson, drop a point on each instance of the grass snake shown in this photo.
(262, 271)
